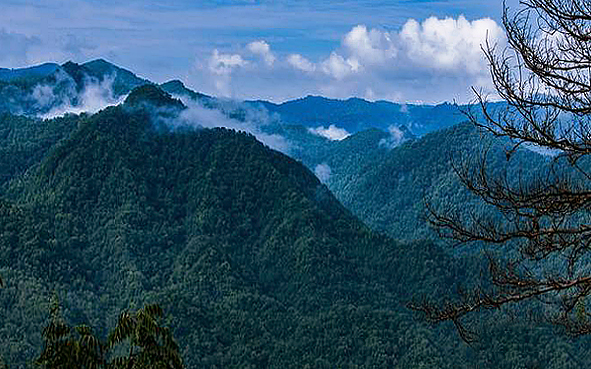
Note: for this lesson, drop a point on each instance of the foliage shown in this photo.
(150, 344)
(256, 262)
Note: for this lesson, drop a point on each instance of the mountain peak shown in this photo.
(152, 95)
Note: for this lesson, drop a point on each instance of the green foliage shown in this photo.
(150, 344)
(387, 187)
(256, 262)
(24, 142)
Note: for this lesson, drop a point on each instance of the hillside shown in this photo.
(252, 258)
(239, 243)
(386, 187)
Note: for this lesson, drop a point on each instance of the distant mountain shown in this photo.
(387, 188)
(39, 71)
(51, 89)
(176, 87)
(355, 114)
(247, 251)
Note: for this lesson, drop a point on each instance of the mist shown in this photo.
(95, 96)
(254, 121)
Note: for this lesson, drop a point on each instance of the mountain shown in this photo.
(38, 71)
(176, 87)
(24, 142)
(253, 259)
(51, 89)
(123, 80)
(357, 114)
(241, 245)
(386, 186)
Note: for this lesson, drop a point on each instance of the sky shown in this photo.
(413, 51)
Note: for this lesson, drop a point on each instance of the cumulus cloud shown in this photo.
(323, 172)
(339, 67)
(429, 61)
(299, 62)
(333, 132)
(449, 44)
(262, 49)
(221, 66)
(369, 47)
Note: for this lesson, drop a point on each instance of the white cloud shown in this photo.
(223, 64)
(323, 172)
(197, 116)
(221, 67)
(429, 61)
(339, 67)
(333, 132)
(449, 44)
(395, 139)
(94, 97)
(262, 49)
(369, 47)
(299, 62)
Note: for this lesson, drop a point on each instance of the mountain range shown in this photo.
(250, 251)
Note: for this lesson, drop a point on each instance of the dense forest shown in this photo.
(253, 260)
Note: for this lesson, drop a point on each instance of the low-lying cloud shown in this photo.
(198, 116)
(95, 95)
(333, 132)
(395, 138)
(323, 172)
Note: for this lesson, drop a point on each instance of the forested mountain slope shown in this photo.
(252, 258)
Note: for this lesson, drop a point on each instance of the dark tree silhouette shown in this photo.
(544, 75)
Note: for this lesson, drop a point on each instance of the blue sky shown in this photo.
(399, 50)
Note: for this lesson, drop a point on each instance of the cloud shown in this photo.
(339, 67)
(333, 132)
(299, 62)
(429, 61)
(221, 66)
(323, 172)
(96, 95)
(262, 49)
(396, 137)
(449, 44)
(369, 47)
(198, 116)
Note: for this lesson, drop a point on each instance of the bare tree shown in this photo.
(544, 75)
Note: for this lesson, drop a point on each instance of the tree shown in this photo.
(150, 345)
(544, 75)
